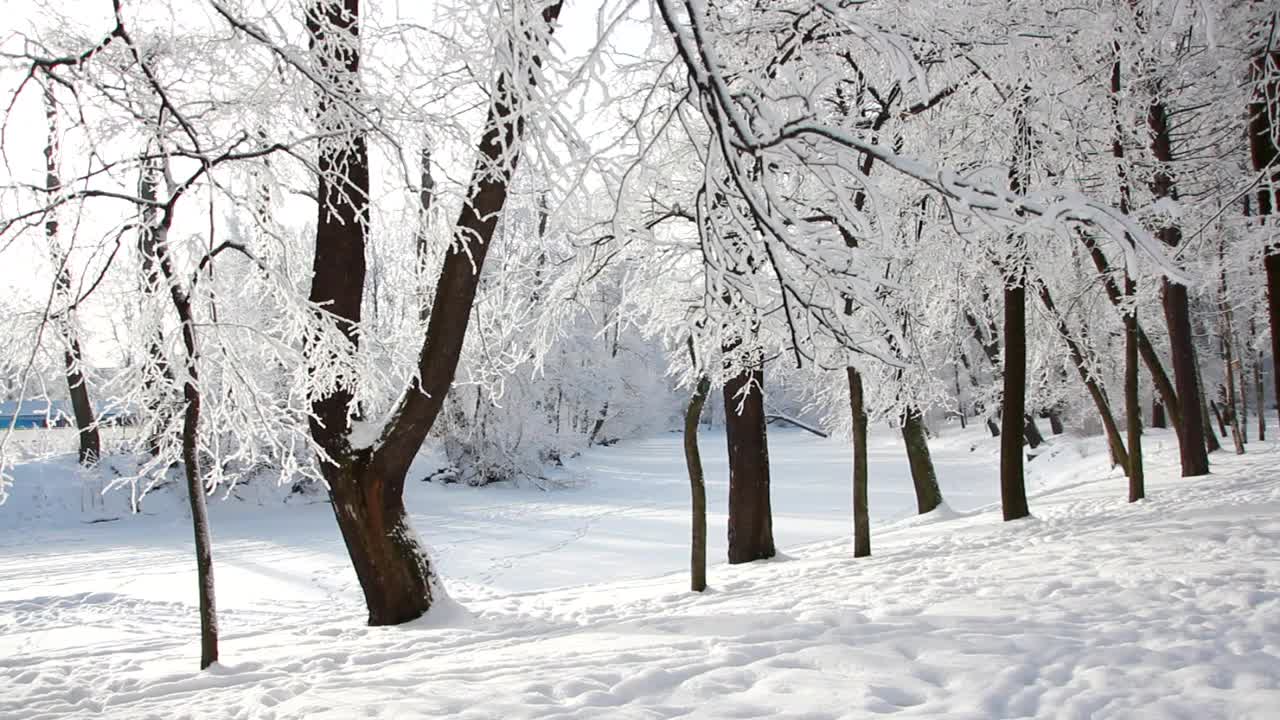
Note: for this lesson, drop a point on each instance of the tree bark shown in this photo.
(1096, 392)
(1158, 419)
(1013, 489)
(1264, 109)
(1195, 460)
(750, 514)
(1167, 396)
(191, 396)
(923, 475)
(858, 414)
(367, 485)
(1055, 422)
(697, 486)
(1132, 405)
(77, 386)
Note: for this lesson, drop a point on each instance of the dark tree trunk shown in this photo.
(1133, 407)
(1031, 432)
(923, 476)
(1055, 422)
(861, 518)
(992, 427)
(697, 486)
(367, 486)
(77, 388)
(1260, 395)
(1013, 489)
(750, 514)
(190, 450)
(1227, 330)
(1211, 443)
(1157, 414)
(1264, 109)
(1195, 460)
(1167, 397)
(1096, 392)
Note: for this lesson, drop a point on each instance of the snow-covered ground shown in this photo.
(574, 603)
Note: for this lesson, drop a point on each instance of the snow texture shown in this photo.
(574, 603)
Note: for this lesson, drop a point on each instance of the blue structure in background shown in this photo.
(55, 413)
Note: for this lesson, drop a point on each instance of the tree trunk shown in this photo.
(394, 572)
(77, 388)
(1013, 489)
(1158, 419)
(925, 479)
(1166, 396)
(1264, 109)
(1211, 443)
(368, 486)
(858, 415)
(750, 514)
(697, 486)
(1177, 312)
(1096, 392)
(1132, 405)
(1055, 422)
(1227, 330)
(182, 304)
(1031, 432)
(1261, 397)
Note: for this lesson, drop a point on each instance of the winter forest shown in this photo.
(639, 358)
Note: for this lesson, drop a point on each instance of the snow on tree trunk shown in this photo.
(923, 475)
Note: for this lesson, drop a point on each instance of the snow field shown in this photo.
(574, 604)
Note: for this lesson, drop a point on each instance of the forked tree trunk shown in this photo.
(858, 414)
(750, 514)
(697, 486)
(394, 572)
(77, 388)
(367, 486)
(923, 475)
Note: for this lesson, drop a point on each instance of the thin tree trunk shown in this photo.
(1055, 422)
(1259, 389)
(191, 396)
(77, 387)
(750, 514)
(858, 414)
(1211, 443)
(1166, 395)
(1158, 419)
(923, 475)
(1096, 392)
(697, 486)
(1227, 329)
(1133, 406)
